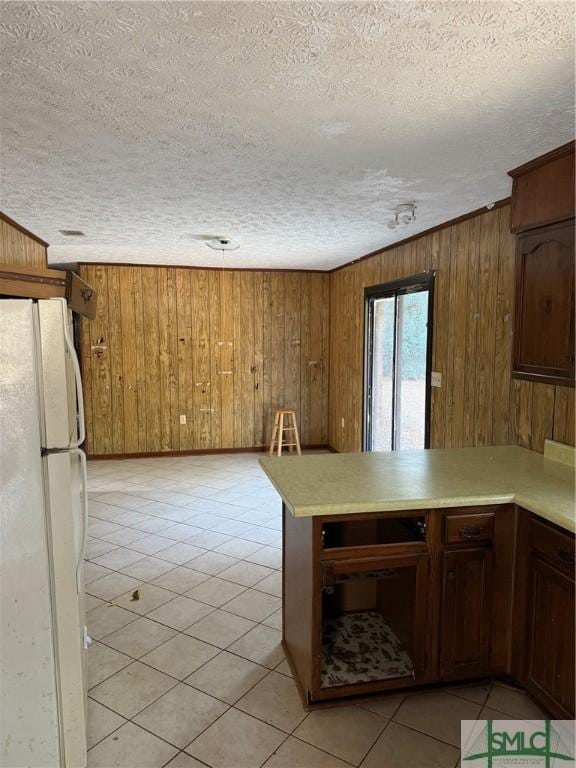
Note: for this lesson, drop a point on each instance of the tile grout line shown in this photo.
(177, 506)
(179, 565)
(157, 555)
(182, 632)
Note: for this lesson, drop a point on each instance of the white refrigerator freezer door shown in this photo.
(29, 721)
(63, 515)
(60, 386)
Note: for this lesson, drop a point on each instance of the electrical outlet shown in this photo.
(182, 418)
(436, 379)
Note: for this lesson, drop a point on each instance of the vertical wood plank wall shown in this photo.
(224, 348)
(19, 248)
(479, 403)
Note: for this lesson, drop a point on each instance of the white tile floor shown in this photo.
(192, 673)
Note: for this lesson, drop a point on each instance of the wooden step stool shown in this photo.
(285, 421)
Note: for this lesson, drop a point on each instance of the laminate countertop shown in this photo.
(344, 483)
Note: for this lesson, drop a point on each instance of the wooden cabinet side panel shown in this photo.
(299, 615)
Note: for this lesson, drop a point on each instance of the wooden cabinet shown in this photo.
(543, 190)
(549, 673)
(475, 577)
(356, 601)
(372, 613)
(547, 625)
(448, 594)
(542, 214)
(544, 321)
(38, 283)
(382, 601)
(465, 618)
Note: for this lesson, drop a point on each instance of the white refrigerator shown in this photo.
(43, 516)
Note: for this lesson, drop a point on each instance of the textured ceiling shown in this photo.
(294, 128)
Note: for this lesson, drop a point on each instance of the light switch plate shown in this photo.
(436, 379)
(182, 418)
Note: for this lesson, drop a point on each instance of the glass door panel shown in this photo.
(410, 370)
(382, 373)
(397, 364)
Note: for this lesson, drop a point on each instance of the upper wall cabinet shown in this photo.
(543, 218)
(543, 190)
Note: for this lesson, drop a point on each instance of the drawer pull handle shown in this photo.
(566, 556)
(471, 531)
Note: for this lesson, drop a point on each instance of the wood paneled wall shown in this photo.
(224, 348)
(479, 403)
(19, 247)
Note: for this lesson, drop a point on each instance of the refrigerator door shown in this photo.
(29, 717)
(42, 691)
(65, 531)
(60, 382)
(80, 516)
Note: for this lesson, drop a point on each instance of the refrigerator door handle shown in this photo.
(77, 378)
(84, 521)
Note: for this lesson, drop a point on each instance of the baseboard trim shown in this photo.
(197, 452)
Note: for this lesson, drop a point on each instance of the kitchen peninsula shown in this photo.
(410, 568)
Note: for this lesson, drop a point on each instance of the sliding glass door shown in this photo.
(398, 351)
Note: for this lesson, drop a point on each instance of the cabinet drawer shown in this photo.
(557, 547)
(461, 529)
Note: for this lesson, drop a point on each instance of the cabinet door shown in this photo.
(550, 637)
(543, 190)
(372, 624)
(465, 621)
(544, 337)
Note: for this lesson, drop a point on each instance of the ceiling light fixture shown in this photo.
(222, 244)
(405, 214)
